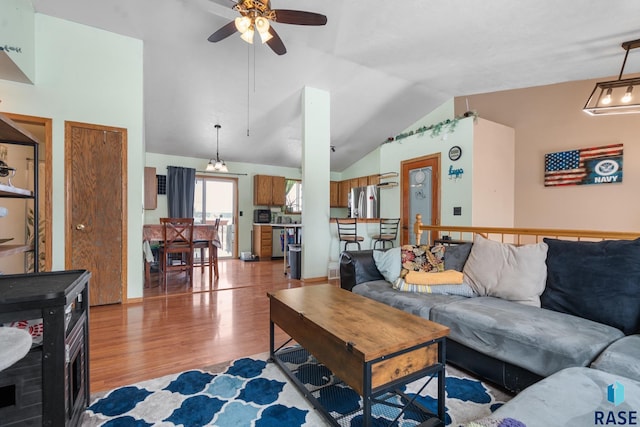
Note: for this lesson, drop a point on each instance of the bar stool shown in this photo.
(348, 231)
(388, 232)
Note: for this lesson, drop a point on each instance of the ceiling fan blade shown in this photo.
(275, 43)
(299, 17)
(223, 32)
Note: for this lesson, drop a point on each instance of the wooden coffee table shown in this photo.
(370, 346)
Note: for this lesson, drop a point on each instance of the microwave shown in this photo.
(262, 216)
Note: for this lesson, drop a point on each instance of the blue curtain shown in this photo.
(181, 186)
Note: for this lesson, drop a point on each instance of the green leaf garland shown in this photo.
(436, 129)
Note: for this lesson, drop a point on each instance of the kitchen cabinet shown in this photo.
(343, 193)
(11, 133)
(334, 194)
(339, 190)
(262, 241)
(268, 190)
(150, 188)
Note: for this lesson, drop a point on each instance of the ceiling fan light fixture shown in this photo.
(615, 96)
(262, 25)
(265, 37)
(243, 23)
(248, 35)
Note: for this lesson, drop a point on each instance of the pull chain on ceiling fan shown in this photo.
(255, 16)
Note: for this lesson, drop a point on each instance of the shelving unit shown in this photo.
(11, 133)
(50, 385)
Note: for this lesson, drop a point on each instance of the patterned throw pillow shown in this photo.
(422, 258)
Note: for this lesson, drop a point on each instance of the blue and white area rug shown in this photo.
(252, 392)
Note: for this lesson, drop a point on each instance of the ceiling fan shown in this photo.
(255, 17)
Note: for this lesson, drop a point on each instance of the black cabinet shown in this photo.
(50, 386)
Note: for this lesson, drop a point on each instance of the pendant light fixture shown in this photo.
(616, 96)
(219, 165)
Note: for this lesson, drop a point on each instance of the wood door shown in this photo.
(430, 193)
(96, 210)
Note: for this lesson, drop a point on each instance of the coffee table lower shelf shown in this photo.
(339, 404)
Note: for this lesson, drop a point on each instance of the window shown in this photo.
(293, 191)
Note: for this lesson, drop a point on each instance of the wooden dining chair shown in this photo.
(212, 253)
(348, 231)
(388, 232)
(177, 239)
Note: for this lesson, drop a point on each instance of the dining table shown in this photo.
(153, 233)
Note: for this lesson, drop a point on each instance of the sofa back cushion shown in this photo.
(502, 270)
(455, 256)
(599, 281)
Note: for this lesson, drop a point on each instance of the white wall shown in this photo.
(493, 191)
(87, 75)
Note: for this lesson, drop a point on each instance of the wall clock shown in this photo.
(455, 153)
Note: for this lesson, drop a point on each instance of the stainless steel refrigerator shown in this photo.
(364, 202)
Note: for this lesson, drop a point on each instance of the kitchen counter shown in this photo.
(263, 246)
(363, 220)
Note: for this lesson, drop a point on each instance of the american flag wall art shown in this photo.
(596, 165)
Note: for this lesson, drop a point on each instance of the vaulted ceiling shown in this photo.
(385, 64)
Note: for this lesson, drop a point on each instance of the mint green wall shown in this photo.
(452, 192)
(17, 30)
(368, 165)
(87, 75)
(387, 158)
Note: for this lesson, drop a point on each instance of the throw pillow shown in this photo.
(389, 263)
(422, 258)
(599, 281)
(455, 256)
(514, 273)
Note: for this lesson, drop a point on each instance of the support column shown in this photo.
(316, 141)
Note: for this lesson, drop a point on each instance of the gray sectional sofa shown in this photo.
(586, 313)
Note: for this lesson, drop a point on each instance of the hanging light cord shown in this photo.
(248, 83)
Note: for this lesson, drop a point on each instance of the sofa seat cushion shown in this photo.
(541, 341)
(621, 358)
(414, 303)
(571, 397)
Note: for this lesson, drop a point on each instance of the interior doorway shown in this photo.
(420, 194)
(217, 197)
(41, 128)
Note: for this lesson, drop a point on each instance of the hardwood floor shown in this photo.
(186, 329)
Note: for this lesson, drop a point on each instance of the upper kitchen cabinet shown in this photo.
(268, 190)
(334, 194)
(150, 188)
